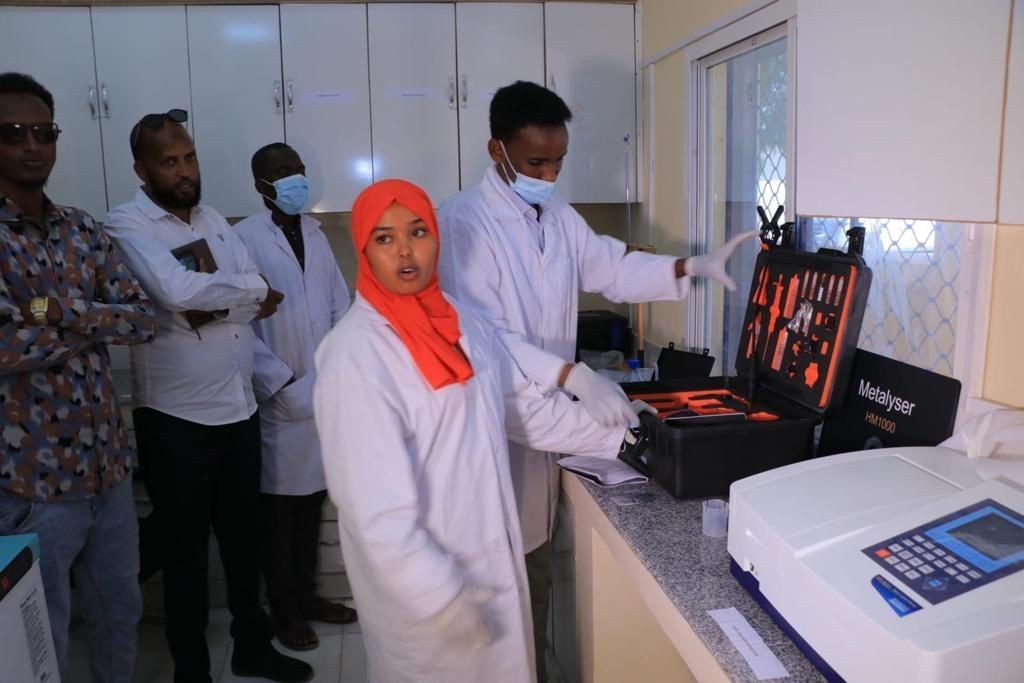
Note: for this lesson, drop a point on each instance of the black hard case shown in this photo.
(696, 461)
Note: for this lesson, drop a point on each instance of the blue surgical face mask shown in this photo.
(292, 193)
(532, 190)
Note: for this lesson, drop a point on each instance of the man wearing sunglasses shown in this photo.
(65, 458)
(195, 413)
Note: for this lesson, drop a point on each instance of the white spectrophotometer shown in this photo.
(898, 564)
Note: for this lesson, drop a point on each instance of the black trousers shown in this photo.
(290, 552)
(199, 476)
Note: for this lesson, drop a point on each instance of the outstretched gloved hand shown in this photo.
(712, 265)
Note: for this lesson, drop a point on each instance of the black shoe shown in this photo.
(633, 450)
(272, 665)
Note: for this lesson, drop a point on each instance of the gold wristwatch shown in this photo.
(38, 307)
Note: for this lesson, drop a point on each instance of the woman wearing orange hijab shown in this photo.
(415, 398)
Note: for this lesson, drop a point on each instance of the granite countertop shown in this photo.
(666, 535)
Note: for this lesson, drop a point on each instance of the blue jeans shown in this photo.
(98, 539)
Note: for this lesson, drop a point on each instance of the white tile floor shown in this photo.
(340, 658)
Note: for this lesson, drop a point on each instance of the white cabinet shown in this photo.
(899, 107)
(142, 65)
(108, 68)
(1011, 195)
(591, 64)
(498, 44)
(238, 98)
(362, 92)
(327, 99)
(413, 95)
(54, 46)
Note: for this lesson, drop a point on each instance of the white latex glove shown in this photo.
(603, 399)
(713, 265)
(639, 406)
(462, 622)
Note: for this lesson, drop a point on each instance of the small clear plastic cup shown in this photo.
(715, 517)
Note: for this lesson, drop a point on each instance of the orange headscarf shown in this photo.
(425, 322)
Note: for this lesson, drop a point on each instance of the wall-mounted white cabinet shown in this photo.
(362, 92)
(899, 107)
(238, 97)
(154, 79)
(64, 64)
(327, 99)
(498, 44)
(1011, 195)
(413, 95)
(99, 92)
(591, 63)
(295, 74)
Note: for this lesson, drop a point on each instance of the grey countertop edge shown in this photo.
(693, 570)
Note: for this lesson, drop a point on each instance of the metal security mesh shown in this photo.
(912, 307)
(757, 133)
(771, 134)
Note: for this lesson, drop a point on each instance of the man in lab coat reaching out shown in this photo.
(294, 253)
(520, 256)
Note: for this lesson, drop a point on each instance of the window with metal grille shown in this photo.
(912, 307)
(743, 143)
(744, 107)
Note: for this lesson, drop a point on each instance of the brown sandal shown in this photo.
(297, 635)
(329, 612)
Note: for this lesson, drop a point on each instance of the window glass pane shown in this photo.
(744, 138)
(916, 265)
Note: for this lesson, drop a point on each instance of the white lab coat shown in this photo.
(491, 260)
(314, 300)
(425, 503)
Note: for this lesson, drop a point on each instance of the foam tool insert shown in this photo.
(803, 318)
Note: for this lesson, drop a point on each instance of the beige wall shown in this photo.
(1004, 364)
(664, 23)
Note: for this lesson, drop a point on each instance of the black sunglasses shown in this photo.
(156, 122)
(17, 133)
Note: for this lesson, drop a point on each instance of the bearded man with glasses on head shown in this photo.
(194, 395)
(65, 459)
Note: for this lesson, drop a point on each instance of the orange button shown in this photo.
(882, 553)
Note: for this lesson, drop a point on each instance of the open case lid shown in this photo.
(803, 317)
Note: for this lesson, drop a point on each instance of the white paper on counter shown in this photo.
(745, 639)
(605, 472)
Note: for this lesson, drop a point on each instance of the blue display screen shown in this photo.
(987, 537)
(993, 535)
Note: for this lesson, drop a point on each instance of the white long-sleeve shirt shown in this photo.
(203, 376)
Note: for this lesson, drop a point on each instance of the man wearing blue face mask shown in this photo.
(520, 255)
(294, 253)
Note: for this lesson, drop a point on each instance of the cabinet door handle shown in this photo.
(106, 100)
(277, 96)
(92, 101)
(464, 91)
(451, 92)
(551, 82)
(290, 94)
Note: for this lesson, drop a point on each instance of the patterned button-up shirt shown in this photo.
(61, 432)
